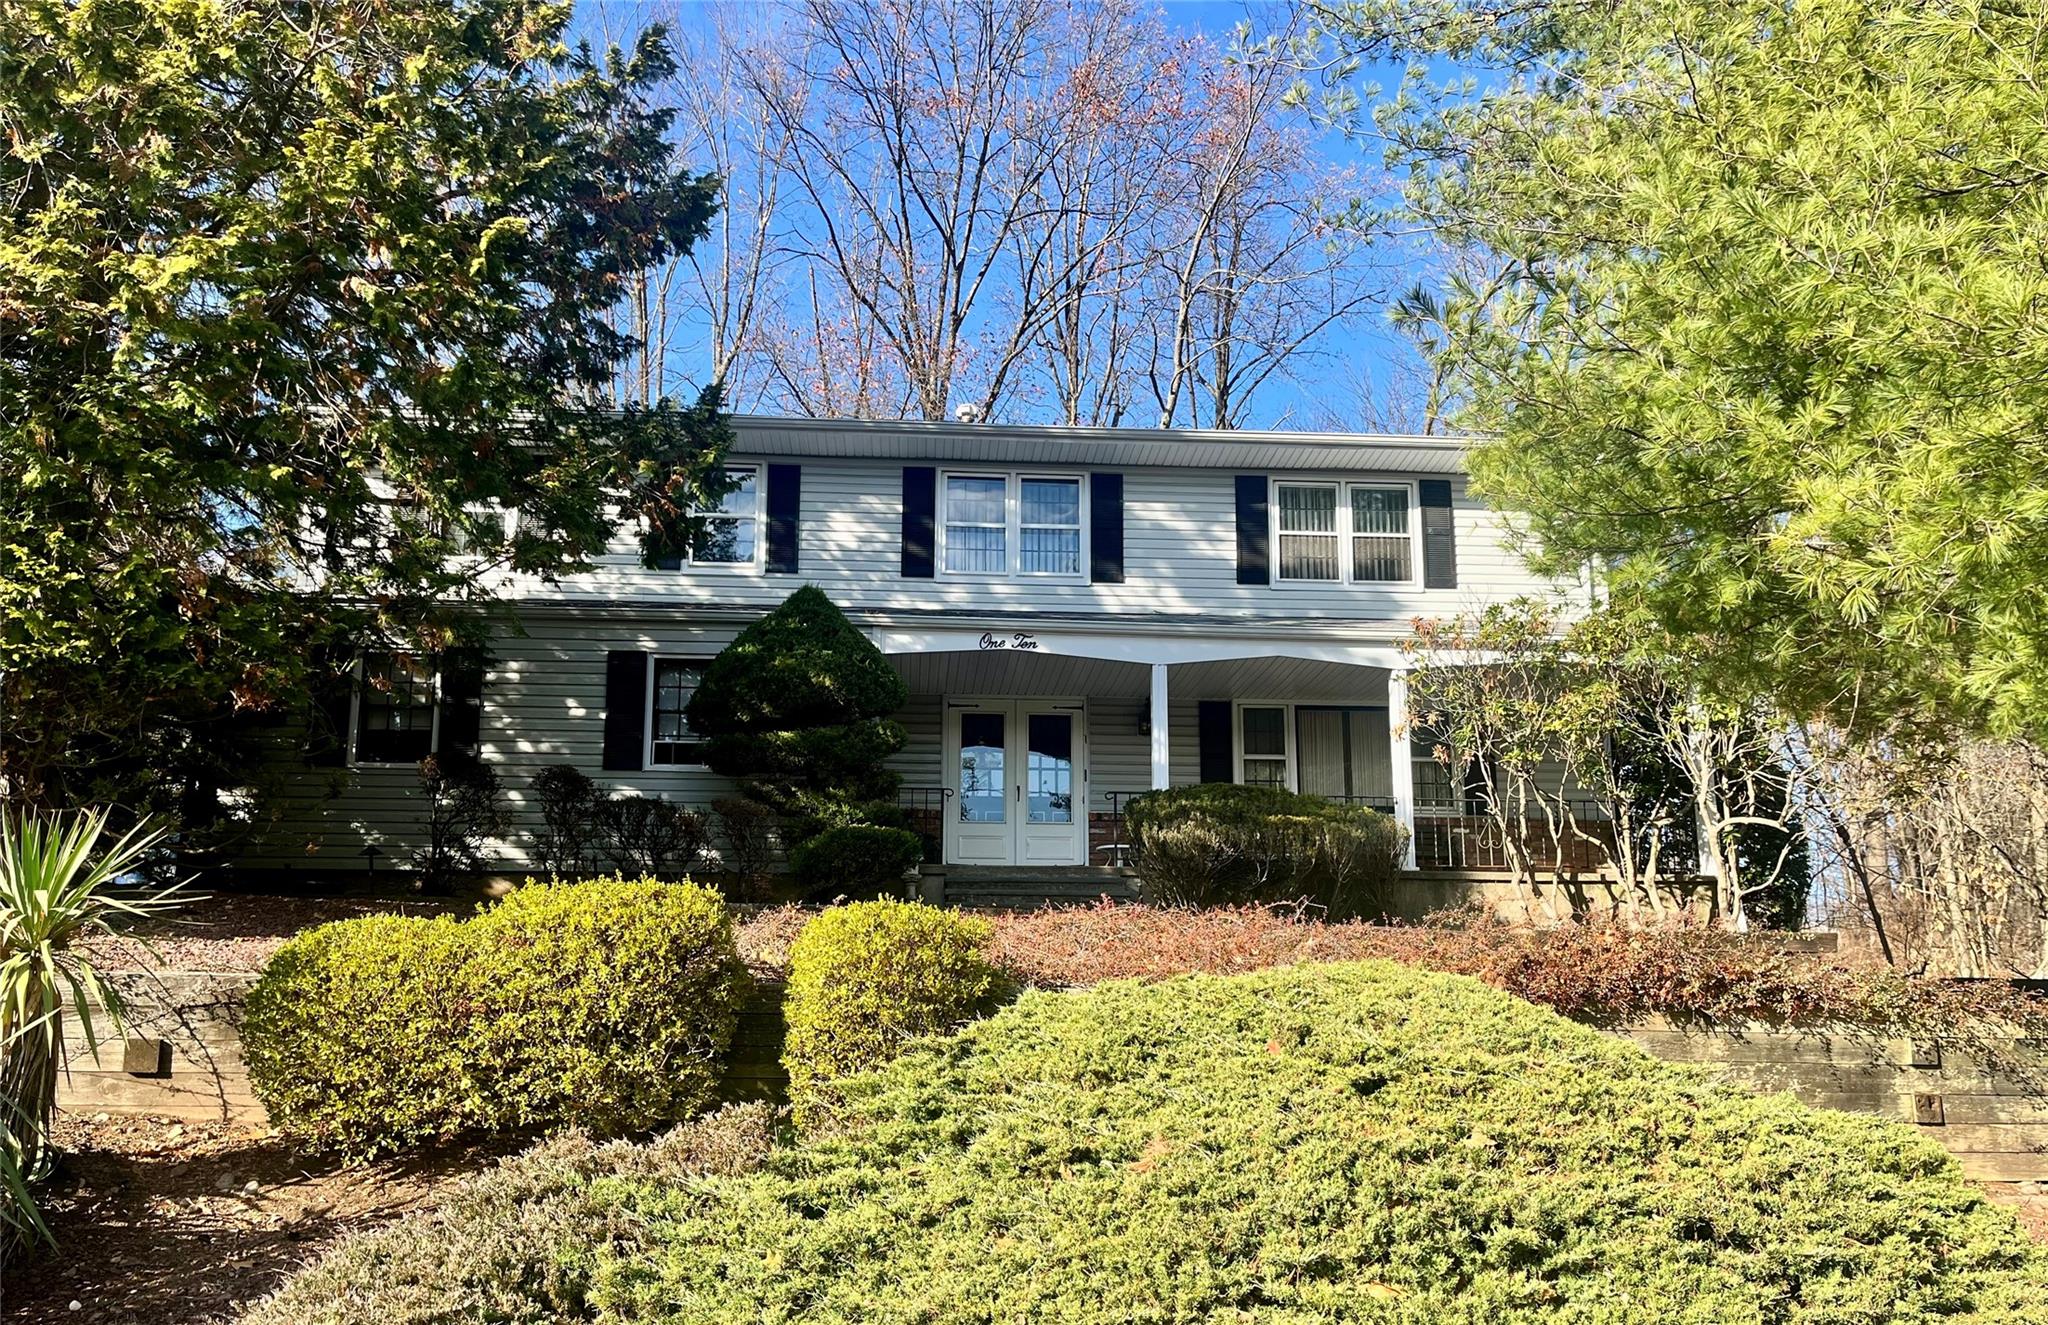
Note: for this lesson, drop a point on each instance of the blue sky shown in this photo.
(1363, 350)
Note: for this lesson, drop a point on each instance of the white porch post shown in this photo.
(1400, 764)
(1162, 775)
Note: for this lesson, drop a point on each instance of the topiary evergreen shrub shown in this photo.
(1220, 844)
(797, 711)
(606, 1004)
(857, 861)
(867, 977)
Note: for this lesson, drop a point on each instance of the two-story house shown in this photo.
(1080, 614)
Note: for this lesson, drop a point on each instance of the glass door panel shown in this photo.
(983, 791)
(1049, 769)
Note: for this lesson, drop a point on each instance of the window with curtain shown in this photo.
(977, 524)
(673, 744)
(1049, 526)
(1381, 549)
(1341, 753)
(1262, 739)
(1308, 531)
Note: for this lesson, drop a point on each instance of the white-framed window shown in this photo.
(482, 528)
(670, 742)
(730, 533)
(1332, 531)
(1265, 746)
(395, 717)
(997, 524)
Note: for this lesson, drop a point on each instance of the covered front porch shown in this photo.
(1026, 745)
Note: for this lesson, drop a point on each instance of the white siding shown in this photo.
(1180, 556)
(544, 693)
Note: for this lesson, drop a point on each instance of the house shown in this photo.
(1080, 614)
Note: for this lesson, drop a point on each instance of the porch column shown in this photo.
(1400, 764)
(1162, 775)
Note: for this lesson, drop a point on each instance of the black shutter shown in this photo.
(1252, 528)
(785, 502)
(1439, 535)
(327, 733)
(1106, 528)
(625, 710)
(462, 702)
(920, 520)
(1214, 738)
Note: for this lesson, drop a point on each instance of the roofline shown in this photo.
(1073, 433)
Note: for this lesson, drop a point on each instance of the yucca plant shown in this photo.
(58, 886)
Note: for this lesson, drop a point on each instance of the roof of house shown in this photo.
(1012, 443)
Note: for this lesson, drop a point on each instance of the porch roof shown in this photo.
(994, 675)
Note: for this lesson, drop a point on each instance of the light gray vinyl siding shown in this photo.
(1180, 556)
(544, 696)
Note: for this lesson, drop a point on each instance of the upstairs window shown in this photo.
(1011, 524)
(1336, 533)
(671, 743)
(394, 710)
(730, 534)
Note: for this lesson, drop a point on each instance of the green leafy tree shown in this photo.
(796, 709)
(298, 298)
(1753, 310)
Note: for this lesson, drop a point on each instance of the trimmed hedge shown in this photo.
(608, 1004)
(1221, 844)
(1359, 1142)
(856, 860)
(868, 977)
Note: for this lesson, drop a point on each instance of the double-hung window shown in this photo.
(394, 710)
(729, 532)
(1263, 749)
(671, 743)
(1011, 524)
(1358, 533)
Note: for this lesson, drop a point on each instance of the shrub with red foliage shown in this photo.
(1605, 975)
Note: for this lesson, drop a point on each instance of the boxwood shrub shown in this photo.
(867, 977)
(1220, 844)
(856, 860)
(1352, 1142)
(608, 1004)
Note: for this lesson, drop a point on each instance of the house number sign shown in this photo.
(1019, 640)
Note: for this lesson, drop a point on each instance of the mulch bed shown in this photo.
(159, 1221)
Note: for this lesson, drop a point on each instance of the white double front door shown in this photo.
(1018, 773)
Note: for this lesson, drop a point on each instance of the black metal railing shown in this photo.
(924, 813)
(1116, 849)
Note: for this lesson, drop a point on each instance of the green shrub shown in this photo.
(857, 860)
(797, 711)
(608, 1004)
(1220, 844)
(514, 1245)
(865, 978)
(1358, 1142)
